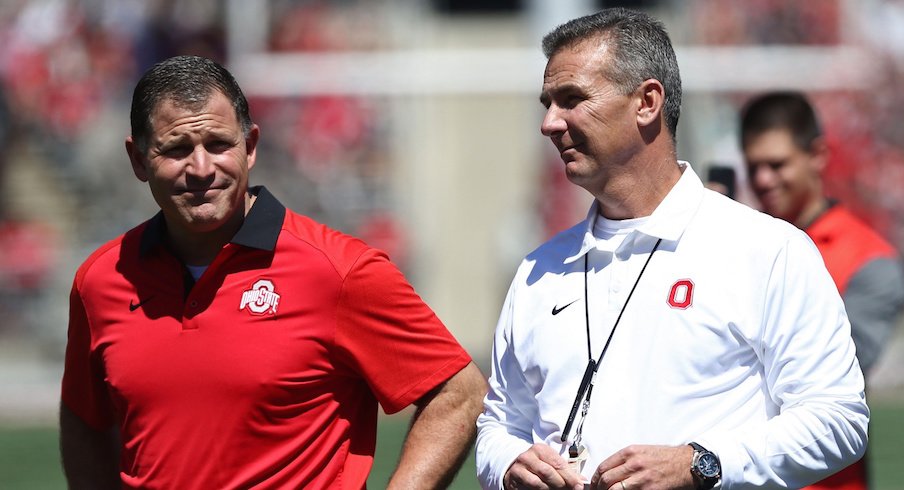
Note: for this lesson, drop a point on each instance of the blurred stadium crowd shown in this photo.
(67, 68)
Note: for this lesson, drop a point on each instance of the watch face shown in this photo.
(708, 465)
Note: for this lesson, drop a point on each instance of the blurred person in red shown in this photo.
(785, 152)
(229, 342)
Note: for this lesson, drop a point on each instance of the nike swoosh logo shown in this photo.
(556, 310)
(134, 306)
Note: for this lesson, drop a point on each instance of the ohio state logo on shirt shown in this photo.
(682, 294)
(261, 299)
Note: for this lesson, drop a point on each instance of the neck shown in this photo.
(637, 192)
(812, 211)
(199, 248)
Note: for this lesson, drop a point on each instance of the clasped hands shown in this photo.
(636, 467)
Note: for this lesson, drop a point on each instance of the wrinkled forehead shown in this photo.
(586, 55)
(182, 102)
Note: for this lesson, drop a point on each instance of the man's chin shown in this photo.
(574, 170)
(579, 179)
(772, 210)
(202, 219)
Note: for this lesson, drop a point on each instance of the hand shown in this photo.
(646, 468)
(541, 468)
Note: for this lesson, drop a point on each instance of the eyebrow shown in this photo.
(163, 144)
(175, 139)
(544, 99)
(566, 87)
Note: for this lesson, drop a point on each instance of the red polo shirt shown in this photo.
(265, 373)
(847, 244)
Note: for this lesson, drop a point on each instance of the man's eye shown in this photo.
(177, 152)
(572, 101)
(218, 146)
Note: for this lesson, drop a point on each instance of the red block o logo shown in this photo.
(682, 294)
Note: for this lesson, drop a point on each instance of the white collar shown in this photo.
(668, 221)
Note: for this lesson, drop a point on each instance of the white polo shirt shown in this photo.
(735, 338)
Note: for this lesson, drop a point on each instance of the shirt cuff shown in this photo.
(495, 459)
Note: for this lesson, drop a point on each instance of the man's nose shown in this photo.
(761, 176)
(200, 163)
(553, 122)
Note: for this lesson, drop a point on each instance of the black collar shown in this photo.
(829, 204)
(259, 230)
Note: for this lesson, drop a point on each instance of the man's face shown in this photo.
(588, 119)
(785, 178)
(197, 164)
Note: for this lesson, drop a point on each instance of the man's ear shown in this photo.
(819, 154)
(138, 160)
(251, 144)
(651, 98)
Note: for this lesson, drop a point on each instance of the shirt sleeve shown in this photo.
(389, 336)
(84, 391)
(504, 430)
(811, 375)
(874, 299)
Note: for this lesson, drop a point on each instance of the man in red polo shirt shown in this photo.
(785, 153)
(228, 342)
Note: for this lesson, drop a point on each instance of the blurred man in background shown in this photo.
(785, 152)
(229, 342)
(700, 321)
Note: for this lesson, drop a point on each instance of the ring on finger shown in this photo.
(623, 486)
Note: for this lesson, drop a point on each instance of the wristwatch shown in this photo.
(705, 467)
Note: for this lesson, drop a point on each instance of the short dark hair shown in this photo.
(786, 110)
(187, 81)
(641, 50)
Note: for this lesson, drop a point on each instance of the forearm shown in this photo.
(874, 299)
(505, 428)
(442, 432)
(794, 449)
(90, 458)
(819, 420)
(498, 444)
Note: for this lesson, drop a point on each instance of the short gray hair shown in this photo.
(640, 47)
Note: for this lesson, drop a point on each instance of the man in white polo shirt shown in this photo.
(674, 338)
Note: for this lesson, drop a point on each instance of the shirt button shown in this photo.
(193, 304)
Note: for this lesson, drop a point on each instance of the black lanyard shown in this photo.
(586, 387)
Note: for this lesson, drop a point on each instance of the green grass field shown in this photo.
(29, 457)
